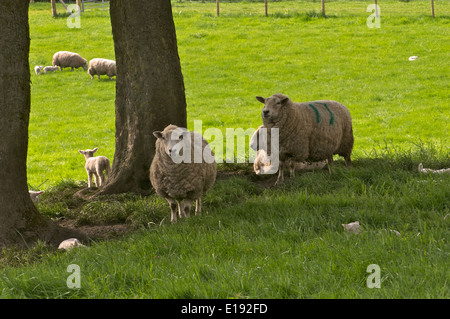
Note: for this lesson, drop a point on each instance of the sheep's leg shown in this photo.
(280, 178)
(292, 168)
(198, 207)
(348, 161)
(89, 179)
(180, 209)
(98, 75)
(187, 208)
(97, 179)
(173, 210)
(101, 177)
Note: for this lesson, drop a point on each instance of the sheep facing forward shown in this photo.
(66, 59)
(183, 169)
(99, 67)
(95, 166)
(308, 132)
(38, 69)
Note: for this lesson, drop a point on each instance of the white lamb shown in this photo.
(95, 166)
(434, 171)
(38, 69)
(51, 69)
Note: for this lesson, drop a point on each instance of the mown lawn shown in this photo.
(255, 241)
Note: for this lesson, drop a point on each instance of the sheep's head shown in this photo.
(272, 110)
(173, 140)
(88, 153)
(85, 65)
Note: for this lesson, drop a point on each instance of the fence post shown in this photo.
(265, 7)
(217, 4)
(376, 8)
(323, 7)
(432, 8)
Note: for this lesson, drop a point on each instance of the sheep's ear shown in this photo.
(95, 150)
(261, 99)
(284, 100)
(158, 134)
(81, 152)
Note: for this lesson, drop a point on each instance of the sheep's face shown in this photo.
(173, 142)
(88, 153)
(272, 110)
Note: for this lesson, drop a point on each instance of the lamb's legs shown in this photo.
(173, 210)
(187, 208)
(90, 179)
(198, 207)
(280, 178)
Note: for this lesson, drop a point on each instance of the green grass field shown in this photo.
(254, 241)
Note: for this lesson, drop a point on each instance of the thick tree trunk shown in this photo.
(149, 88)
(20, 221)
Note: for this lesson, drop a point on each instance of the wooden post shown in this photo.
(217, 5)
(78, 2)
(376, 8)
(54, 13)
(323, 7)
(265, 7)
(432, 8)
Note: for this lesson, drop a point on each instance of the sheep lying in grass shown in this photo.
(308, 132)
(183, 169)
(35, 195)
(102, 67)
(50, 69)
(95, 166)
(433, 171)
(66, 59)
(263, 164)
(38, 69)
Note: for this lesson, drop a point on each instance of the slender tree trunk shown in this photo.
(54, 13)
(323, 7)
(432, 8)
(20, 221)
(149, 88)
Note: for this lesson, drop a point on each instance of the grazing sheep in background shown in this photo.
(95, 166)
(433, 171)
(66, 59)
(263, 164)
(70, 243)
(183, 169)
(50, 69)
(101, 67)
(308, 132)
(353, 227)
(38, 69)
(35, 195)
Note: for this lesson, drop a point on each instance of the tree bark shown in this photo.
(53, 3)
(20, 221)
(149, 89)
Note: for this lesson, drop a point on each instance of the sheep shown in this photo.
(263, 164)
(50, 69)
(38, 69)
(433, 171)
(102, 67)
(66, 59)
(95, 166)
(310, 131)
(35, 195)
(182, 170)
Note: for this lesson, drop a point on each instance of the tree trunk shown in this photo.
(149, 89)
(20, 221)
(54, 13)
